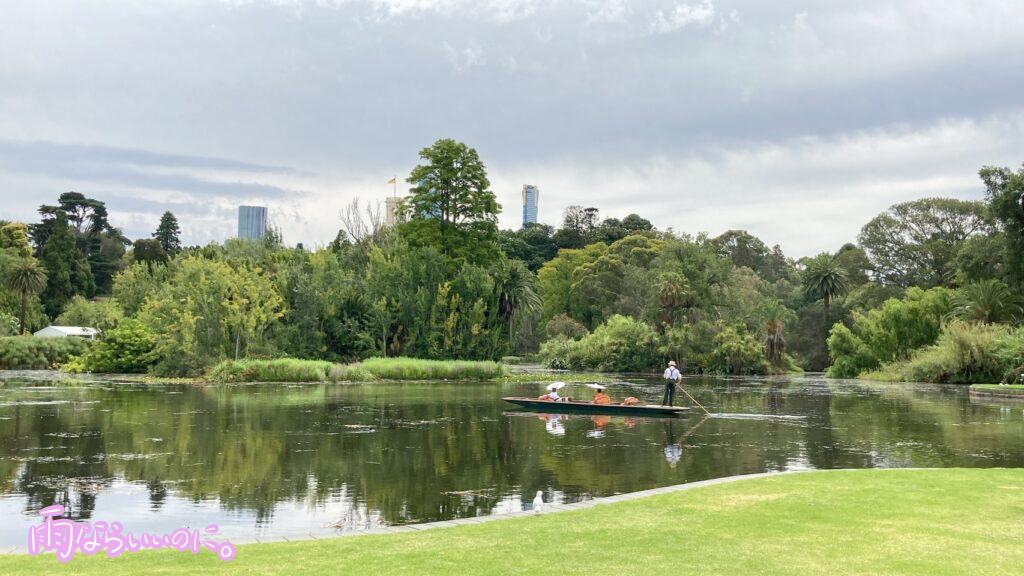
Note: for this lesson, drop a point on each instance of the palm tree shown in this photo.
(988, 301)
(26, 278)
(774, 316)
(673, 294)
(517, 291)
(826, 279)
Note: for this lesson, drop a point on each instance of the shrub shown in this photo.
(619, 345)
(31, 353)
(738, 352)
(103, 314)
(128, 348)
(691, 346)
(511, 360)
(851, 355)
(890, 333)
(964, 354)
(564, 325)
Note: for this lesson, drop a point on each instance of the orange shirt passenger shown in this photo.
(601, 398)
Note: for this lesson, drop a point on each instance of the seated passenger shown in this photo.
(632, 401)
(552, 394)
(599, 396)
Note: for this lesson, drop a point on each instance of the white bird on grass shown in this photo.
(538, 502)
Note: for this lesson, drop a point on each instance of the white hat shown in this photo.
(671, 362)
(596, 386)
(555, 386)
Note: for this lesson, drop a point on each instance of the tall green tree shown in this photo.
(1005, 192)
(25, 279)
(68, 270)
(168, 233)
(517, 293)
(915, 243)
(825, 279)
(452, 204)
(774, 317)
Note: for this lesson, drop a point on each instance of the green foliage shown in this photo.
(14, 236)
(981, 258)
(25, 278)
(103, 314)
(825, 279)
(619, 345)
(8, 324)
(774, 318)
(422, 369)
(31, 353)
(745, 250)
(534, 244)
(1005, 193)
(915, 243)
(987, 301)
(295, 370)
(167, 234)
(888, 333)
(563, 325)
(135, 283)
(128, 348)
(207, 310)
(737, 352)
(453, 208)
(149, 251)
(277, 370)
(965, 353)
(67, 270)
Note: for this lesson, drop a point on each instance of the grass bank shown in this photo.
(928, 522)
(294, 370)
(1005, 390)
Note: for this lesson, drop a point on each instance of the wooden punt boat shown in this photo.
(537, 405)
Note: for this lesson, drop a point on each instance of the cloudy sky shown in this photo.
(796, 120)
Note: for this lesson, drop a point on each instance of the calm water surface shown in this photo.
(265, 461)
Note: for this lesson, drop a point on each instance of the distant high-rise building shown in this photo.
(252, 222)
(531, 194)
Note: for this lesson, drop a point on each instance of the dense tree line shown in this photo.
(444, 282)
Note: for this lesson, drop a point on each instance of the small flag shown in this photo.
(392, 181)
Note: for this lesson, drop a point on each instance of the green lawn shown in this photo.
(1011, 388)
(932, 522)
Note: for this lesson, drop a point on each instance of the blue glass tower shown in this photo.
(252, 222)
(531, 194)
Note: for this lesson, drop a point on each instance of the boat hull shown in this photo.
(537, 405)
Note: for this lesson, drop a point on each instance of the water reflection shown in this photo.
(267, 460)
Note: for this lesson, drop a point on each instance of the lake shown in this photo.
(266, 461)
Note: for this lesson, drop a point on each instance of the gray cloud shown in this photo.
(663, 98)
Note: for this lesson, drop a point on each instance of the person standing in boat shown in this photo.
(672, 378)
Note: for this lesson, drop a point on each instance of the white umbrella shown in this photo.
(555, 386)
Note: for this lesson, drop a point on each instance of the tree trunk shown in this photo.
(828, 305)
(21, 317)
(238, 344)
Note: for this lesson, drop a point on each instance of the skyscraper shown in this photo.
(252, 222)
(530, 196)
